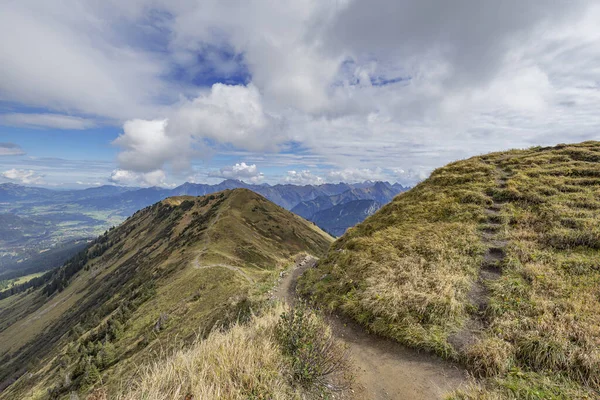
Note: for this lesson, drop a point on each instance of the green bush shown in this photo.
(313, 353)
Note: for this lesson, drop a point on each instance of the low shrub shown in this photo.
(308, 343)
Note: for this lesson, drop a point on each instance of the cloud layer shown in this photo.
(377, 90)
(128, 178)
(26, 177)
(46, 120)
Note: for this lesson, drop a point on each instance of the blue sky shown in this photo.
(158, 93)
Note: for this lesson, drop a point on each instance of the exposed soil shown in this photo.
(491, 269)
(384, 369)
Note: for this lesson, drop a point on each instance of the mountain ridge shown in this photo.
(76, 214)
(138, 285)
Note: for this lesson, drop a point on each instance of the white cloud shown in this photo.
(88, 184)
(45, 121)
(228, 114)
(24, 176)
(303, 178)
(231, 114)
(70, 56)
(130, 178)
(11, 149)
(240, 171)
(409, 177)
(146, 146)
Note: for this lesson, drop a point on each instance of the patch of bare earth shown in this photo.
(490, 270)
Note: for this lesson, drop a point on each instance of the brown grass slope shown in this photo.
(165, 277)
(281, 354)
(493, 261)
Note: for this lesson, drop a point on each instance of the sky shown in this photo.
(157, 93)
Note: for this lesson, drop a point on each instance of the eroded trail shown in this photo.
(384, 369)
(491, 270)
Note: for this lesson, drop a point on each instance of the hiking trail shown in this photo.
(491, 270)
(383, 369)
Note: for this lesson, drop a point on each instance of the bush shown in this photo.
(313, 353)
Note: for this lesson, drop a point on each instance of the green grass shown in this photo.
(149, 293)
(406, 271)
(27, 278)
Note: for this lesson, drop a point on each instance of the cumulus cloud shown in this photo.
(409, 177)
(304, 177)
(146, 146)
(24, 176)
(130, 178)
(240, 171)
(45, 121)
(11, 149)
(228, 114)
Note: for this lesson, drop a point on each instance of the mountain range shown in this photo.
(40, 221)
(127, 200)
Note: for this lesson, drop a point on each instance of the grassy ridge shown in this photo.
(407, 271)
(149, 287)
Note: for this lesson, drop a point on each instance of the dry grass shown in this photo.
(405, 272)
(245, 362)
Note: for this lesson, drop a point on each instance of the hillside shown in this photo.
(492, 261)
(169, 274)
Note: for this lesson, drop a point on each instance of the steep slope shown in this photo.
(169, 273)
(492, 261)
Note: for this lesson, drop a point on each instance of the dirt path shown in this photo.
(384, 369)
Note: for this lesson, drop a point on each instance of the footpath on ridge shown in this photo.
(383, 369)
